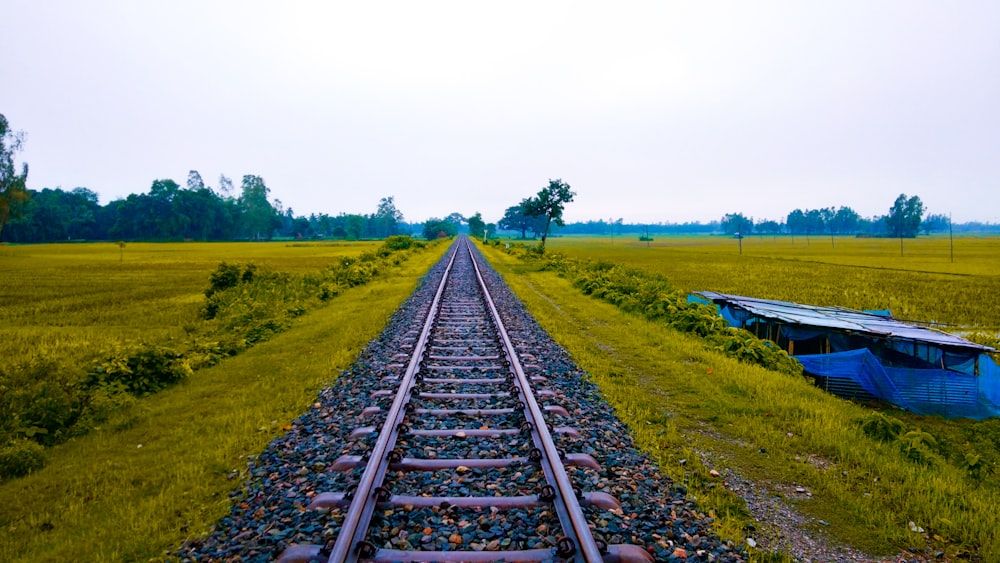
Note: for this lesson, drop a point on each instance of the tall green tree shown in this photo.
(549, 203)
(435, 228)
(13, 185)
(457, 218)
(387, 218)
(55, 215)
(769, 226)
(354, 226)
(904, 216)
(477, 227)
(170, 223)
(736, 224)
(814, 221)
(845, 221)
(194, 181)
(796, 222)
(514, 219)
(935, 222)
(258, 218)
(225, 186)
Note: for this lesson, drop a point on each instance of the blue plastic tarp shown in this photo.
(922, 391)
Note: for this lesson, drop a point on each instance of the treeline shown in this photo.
(906, 218)
(864, 227)
(193, 212)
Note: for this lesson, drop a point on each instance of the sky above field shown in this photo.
(652, 112)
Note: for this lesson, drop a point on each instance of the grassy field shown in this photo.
(686, 402)
(159, 471)
(859, 273)
(67, 301)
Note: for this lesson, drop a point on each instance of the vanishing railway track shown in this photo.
(467, 442)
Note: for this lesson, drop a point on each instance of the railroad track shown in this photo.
(461, 437)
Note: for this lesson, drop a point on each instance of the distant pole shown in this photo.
(951, 240)
(739, 236)
(900, 241)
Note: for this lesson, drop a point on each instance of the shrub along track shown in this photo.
(475, 471)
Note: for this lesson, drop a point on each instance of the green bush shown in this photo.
(652, 296)
(399, 242)
(882, 427)
(746, 347)
(224, 277)
(140, 370)
(20, 457)
(106, 401)
(328, 290)
(38, 400)
(919, 446)
(52, 409)
(43, 403)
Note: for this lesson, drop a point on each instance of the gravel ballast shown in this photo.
(269, 514)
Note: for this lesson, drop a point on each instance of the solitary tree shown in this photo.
(904, 216)
(549, 203)
(13, 191)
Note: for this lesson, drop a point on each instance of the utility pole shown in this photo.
(951, 239)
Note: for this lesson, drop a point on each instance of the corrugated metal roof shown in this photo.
(840, 318)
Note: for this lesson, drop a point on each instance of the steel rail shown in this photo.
(359, 515)
(577, 543)
(568, 508)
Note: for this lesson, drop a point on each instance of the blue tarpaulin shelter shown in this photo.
(868, 355)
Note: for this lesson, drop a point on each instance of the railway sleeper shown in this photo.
(552, 409)
(326, 501)
(464, 432)
(348, 462)
(623, 553)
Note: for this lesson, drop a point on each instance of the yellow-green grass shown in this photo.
(68, 301)
(681, 400)
(859, 273)
(102, 497)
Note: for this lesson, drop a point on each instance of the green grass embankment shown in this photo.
(159, 473)
(682, 400)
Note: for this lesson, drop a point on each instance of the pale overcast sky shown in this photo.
(658, 111)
